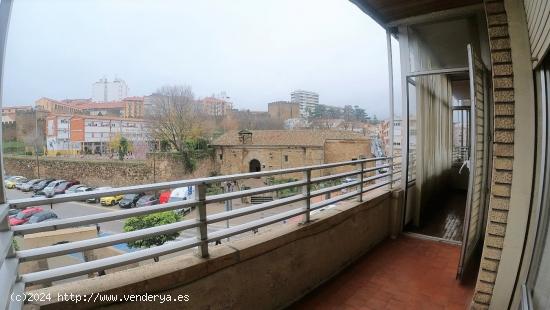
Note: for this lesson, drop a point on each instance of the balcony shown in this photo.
(405, 273)
(306, 239)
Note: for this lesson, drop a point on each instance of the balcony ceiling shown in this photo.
(387, 11)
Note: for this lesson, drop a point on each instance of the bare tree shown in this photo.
(176, 118)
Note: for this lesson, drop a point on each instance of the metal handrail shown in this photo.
(10, 260)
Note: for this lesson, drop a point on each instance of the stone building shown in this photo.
(259, 150)
(283, 110)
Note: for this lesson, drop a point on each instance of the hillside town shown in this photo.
(86, 128)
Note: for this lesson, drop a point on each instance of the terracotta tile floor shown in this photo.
(407, 273)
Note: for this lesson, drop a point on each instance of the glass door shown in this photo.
(475, 201)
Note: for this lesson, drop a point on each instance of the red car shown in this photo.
(164, 197)
(23, 216)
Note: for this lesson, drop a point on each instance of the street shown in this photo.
(77, 208)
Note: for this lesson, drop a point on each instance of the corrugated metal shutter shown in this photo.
(538, 22)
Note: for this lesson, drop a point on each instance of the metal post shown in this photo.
(391, 173)
(362, 178)
(36, 142)
(7, 284)
(306, 191)
(391, 102)
(202, 229)
(5, 12)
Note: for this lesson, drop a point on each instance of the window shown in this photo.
(221, 156)
(286, 158)
(461, 135)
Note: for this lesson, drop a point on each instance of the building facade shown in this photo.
(80, 134)
(307, 101)
(215, 106)
(105, 91)
(259, 150)
(131, 107)
(283, 110)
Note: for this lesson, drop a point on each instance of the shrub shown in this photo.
(151, 220)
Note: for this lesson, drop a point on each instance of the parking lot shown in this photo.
(77, 208)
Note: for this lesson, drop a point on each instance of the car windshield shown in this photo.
(173, 199)
(129, 196)
(51, 185)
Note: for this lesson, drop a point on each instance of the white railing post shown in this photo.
(202, 229)
(306, 191)
(361, 178)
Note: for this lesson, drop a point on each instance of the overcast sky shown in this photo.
(257, 51)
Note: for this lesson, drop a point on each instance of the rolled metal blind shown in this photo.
(538, 23)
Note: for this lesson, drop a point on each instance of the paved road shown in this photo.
(76, 208)
(73, 209)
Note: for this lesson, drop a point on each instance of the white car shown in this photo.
(182, 193)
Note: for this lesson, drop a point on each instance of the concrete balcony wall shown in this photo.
(269, 271)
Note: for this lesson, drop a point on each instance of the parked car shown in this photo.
(84, 188)
(110, 200)
(49, 188)
(130, 200)
(147, 200)
(10, 182)
(164, 196)
(23, 216)
(96, 200)
(13, 212)
(41, 185)
(59, 188)
(182, 193)
(41, 217)
(27, 187)
(73, 189)
(20, 183)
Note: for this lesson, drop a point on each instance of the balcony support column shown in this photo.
(202, 229)
(306, 191)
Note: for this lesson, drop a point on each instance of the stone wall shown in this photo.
(157, 168)
(503, 149)
(9, 131)
(237, 159)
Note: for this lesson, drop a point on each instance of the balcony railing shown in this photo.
(369, 174)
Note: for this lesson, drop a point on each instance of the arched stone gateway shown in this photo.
(254, 166)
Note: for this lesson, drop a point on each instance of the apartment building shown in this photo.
(105, 91)
(215, 106)
(79, 134)
(307, 101)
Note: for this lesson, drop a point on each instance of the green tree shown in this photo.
(121, 146)
(319, 111)
(360, 114)
(148, 221)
